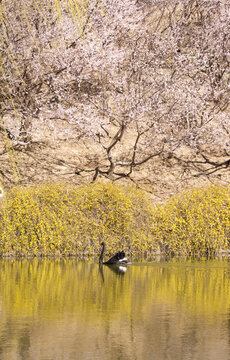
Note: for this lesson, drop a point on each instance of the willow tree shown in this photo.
(135, 81)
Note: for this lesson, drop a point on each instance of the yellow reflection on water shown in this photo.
(65, 308)
(50, 287)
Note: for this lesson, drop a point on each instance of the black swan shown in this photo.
(118, 258)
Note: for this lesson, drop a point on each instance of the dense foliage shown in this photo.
(197, 220)
(62, 220)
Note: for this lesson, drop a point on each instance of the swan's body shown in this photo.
(118, 258)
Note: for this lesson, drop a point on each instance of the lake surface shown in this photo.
(70, 309)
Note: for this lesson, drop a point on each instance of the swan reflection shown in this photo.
(120, 270)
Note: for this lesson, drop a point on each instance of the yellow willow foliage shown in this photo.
(195, 220)
(64, 220)
(57, 219)
(45, 288)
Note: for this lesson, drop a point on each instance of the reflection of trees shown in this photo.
(24, 342)
(29, 287)
(161, 307)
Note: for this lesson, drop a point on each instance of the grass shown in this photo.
(63, 220)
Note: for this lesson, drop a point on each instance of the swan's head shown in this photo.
(102, 243)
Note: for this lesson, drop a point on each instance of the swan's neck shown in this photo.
(102, 254)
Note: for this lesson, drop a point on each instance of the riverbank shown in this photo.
(62, 220)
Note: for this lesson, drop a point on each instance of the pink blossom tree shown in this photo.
(137, 80)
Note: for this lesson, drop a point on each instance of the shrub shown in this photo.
(197, 220)
(58, 219)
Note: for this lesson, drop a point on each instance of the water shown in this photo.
(69, 309)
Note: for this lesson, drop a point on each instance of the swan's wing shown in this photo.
(119, 257)
(115, 258)
(112, 260)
